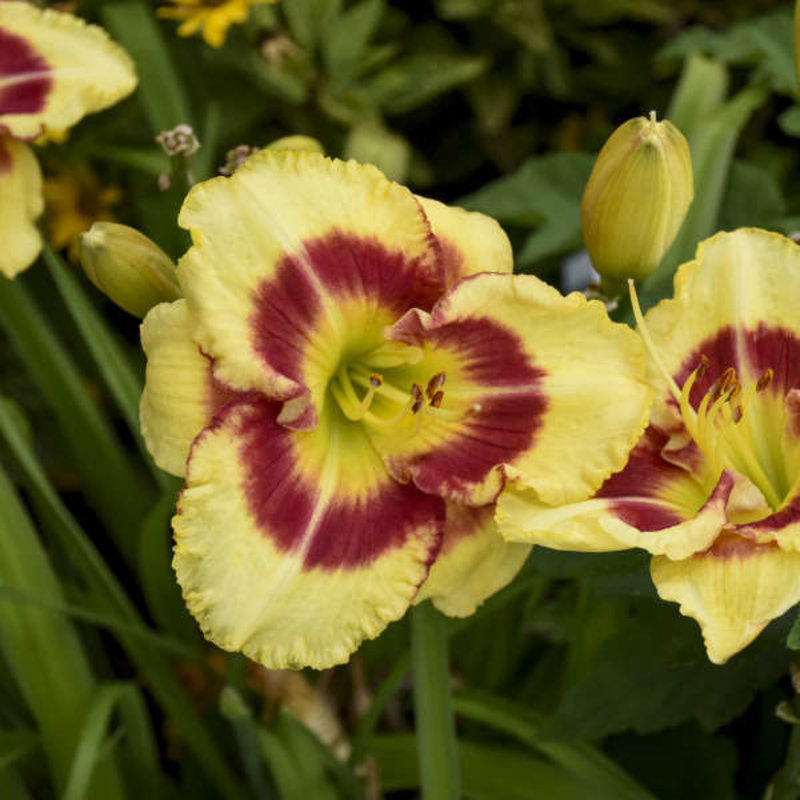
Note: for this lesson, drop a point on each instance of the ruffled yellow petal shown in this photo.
(473, 564)
(471, 242)
(604, 524)
(21, 204)
(56, 70)
(295, 546)
(733, 590)
(586, 368)
(745, 278)
(180, 395)
(286, 253)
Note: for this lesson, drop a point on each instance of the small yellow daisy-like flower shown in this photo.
(212, 17)
(74, 199)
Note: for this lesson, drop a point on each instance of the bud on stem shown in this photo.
(127, 267)
(636, 198)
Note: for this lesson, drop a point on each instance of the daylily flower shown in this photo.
(212, 17)
(54, 69)
(712, 489)
(346, 393)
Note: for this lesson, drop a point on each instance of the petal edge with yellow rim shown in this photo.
(733, 590)
(291, 560)
(21, 204)
(56, 69)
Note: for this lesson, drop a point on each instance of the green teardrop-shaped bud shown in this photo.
(128, 267)
(636, 198)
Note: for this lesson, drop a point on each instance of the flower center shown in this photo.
(371, 390)
(715, 425)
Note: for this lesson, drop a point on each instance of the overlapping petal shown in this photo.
(180, 395)
(20, 205)
(733, 590)
(470, 241)
(299, 261)
(530, 366)
(294, 546)
(473, 563)
(55, 69)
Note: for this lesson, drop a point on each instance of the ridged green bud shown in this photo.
(636, 198)
(127, 267)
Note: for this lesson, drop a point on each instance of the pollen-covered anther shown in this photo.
(418, 398)
(765, 380)
(437, 398)
(434, 384)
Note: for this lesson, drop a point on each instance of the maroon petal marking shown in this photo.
(26, 73)
(505, 419)
(288, 305)
(765, 347)
(777, 349)
(634, 490)
(464, 522)
(732, 544)
(349, 265)
(788, 515)
(345, 532)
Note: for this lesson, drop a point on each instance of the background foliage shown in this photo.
(575, 681)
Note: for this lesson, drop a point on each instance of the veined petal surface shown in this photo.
(180, 393)
(297, 263)
(733, 590)
(474, 562)
(55, 69)
(21, 203)
(531, 369)
(295, 546)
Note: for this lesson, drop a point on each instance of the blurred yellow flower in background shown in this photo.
(74, 199)
(212, 17)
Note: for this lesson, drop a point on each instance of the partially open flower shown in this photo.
(636, 198)
(346, 392)
(54, 69)
(127, 267)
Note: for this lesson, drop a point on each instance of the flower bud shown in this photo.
(636, 198)
(127, 267)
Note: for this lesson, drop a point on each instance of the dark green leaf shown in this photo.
(654, 674)
(545, 193)
(416, 79)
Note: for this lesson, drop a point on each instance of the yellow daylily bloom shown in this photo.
(712, 489)
(212, 18)
(352, 376)
(54, 69)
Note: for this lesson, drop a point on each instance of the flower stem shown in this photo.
(786, 784)
(437, 748)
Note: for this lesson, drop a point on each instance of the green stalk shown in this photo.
(44, 652)
(114, 488)
(786, 784)
(437, 748)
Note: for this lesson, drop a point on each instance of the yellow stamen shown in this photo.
(714, 426)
